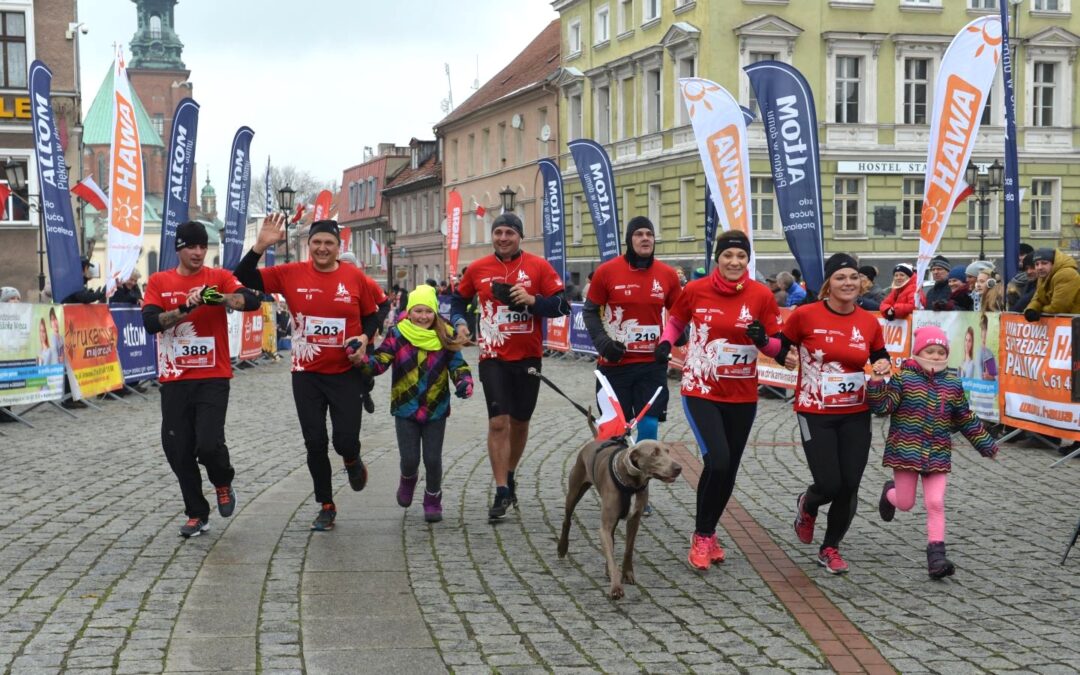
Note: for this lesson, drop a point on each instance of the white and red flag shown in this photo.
(88, 191)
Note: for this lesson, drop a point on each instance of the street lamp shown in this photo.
(285, 197)
(15, 172)
(507, 196)
(983, 187)
(391, 239)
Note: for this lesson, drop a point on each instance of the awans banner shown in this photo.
(137, 347)
(963, 82)
(126, 194)
(787, 111)
(554, 233)
(598, 182)
(1036, 376)
(269, 257)
(181, 162)
(31, 353)
(720, 130)
(90, 348)
(1012, 164)
(239, 189)
(65, 270)
(453, 232)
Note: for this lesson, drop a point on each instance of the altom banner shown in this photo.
(181, 163)
(137, 348)
(1036, 376)
(91, 350)
(239, 193)
(598, 183)
(554, 216)
(251, 335)
(31, 353)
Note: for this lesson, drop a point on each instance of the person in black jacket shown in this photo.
(86, 296)
(1026, 288)
(937, 296)
(128, 293)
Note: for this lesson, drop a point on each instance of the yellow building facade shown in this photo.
(871, 65)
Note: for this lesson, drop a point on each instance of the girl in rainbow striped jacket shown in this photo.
(426, 363)
(927, 404)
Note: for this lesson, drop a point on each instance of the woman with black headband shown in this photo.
(729, 315)
(835, 339)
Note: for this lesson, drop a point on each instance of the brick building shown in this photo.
(362, 209)
(414, 200)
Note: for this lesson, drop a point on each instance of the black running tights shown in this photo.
(836, 447)
(721, 430)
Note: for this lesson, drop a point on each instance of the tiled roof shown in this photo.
(431, 168)
(532, 66)
(97, 126)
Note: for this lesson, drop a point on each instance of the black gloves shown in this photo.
(501, 291)
(663, 352)
(939, 306)
(1031, 315)
(756, 332)
(889, 314)
(611, 350)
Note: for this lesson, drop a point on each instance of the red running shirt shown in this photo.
(197, 348)
(721, 362)
(633, 301)
(326, 308)
(503, 334)
(833, 349)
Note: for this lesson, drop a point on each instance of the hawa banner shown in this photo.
(558, 334)
(963, 83)
(897, 336)
(323, 203)
(125, 183)
(1036, 376)
(91, 351)
(720, 130)
(453, 232)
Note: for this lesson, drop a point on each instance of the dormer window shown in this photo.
(155, 26)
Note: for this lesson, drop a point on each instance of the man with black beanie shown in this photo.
(185, 306)
(623, 314)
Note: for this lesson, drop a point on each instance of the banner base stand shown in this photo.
(1076, 535)
(1069, 456)
(8, 413)
(784, 395)
(132, 390)
(55, 404)
(112, 396)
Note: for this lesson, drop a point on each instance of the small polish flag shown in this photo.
(480, 211)
(88, 191)
(5, 192)
(612, 422)
(299, 214)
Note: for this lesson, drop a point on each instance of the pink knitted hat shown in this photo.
(929, 335)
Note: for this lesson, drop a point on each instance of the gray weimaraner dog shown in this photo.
(618, 472)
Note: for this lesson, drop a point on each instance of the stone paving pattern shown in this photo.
(93, 577)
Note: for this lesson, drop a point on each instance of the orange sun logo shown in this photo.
(695, 90)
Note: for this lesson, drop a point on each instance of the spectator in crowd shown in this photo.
(1021, 277)
(900, 302)
(431, 282)
(588, 280)
(698, 273)
(991, 294)
(937, 298)
(959, 293)
(867, 277)
(1058, 290)
(85, 295)
(679, 272)
(797, 276)
(128, 293)
(972, 271)
(796, 294)
(10, 294)
(1025, 289)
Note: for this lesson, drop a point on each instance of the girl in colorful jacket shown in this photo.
(927, 404)
(424, 357)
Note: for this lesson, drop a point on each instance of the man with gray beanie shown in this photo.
(937, 296)
(515, 290)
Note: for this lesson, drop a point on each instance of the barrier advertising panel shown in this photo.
(251, 335)
(31, 353)
(772, 373)
(973, 351)
(579, 336)
(558, 334)
(137, 347)
(269, 332)
(1036, 376)
(91, 350)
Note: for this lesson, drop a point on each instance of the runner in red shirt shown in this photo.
(186, 308)
(516, 290)
(835, 339)
(632, 292)
(334, 317)
(729, 316)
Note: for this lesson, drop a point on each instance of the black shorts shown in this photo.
(509, 389)
(634, 385)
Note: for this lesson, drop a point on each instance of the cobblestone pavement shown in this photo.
(93, 577)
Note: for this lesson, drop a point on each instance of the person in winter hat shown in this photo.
(1058, 288)
(425, 357)
(900, 302)
(959, 293)
(927, 403)
(937, 297)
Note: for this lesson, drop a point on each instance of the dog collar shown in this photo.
(619, 483)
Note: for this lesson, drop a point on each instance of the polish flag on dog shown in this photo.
(88, 191)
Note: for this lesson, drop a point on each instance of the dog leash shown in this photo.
(580, 409)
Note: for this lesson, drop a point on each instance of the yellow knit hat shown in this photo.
(423, 295)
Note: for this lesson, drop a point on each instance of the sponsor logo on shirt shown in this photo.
(744, 317)
(857, 339)
(657, 289)
(342, 294)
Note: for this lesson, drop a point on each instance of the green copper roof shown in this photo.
(208, 189)
(97, 126)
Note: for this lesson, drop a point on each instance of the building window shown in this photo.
(602, 109)
(624, 124)
(982, 4)
(577, 219)
(847, 198)
(502, 143)
(913, 200)
(848, 76)
(650, 10)
(15, 210)
(627, 203)
(684, 67)
(13, 43)
(159, 123)
(1050, 6)
(102, 168)
(473, 223)
(519, 140)
(372, 183)
(756, 57)
(352, 197)
(575, 117)
(412, 215)
(1042, 105)
(573, 37)
(155, 27)
(485, 150)
(470, 149)
(423, 214)
(654, 207)
(978, 215)
(652, 101)
(687, 205)
(1043, 203)
(916, 82)
(360, 194)
(763, 205)
(601, 26)
(626, 13)
(454, 159)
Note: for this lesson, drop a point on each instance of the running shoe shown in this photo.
(325, 520)
(194, 527)
(830, 559)
(700, 555)
(499, 506)
(647, 511)
(226, 500)
(357, 474)
(885, 508)
(804, 522)
(716, 551)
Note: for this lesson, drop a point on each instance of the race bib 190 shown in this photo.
(509, 321)
(193, 352)
(324, 332)
(840, 390)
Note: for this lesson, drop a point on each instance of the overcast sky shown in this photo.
(321, 79)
